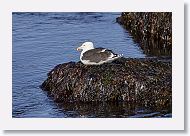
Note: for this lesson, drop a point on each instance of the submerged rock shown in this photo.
(140, 81)
(153, 30)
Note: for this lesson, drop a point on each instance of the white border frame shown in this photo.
(174, 123)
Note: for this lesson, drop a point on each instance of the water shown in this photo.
(43, 40)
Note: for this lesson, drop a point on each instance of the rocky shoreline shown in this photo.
(152, 30)
(145, 81)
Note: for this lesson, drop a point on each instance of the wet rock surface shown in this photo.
(146, 82)
(153, 30)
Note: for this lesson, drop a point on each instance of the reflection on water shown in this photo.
(109, 110)
(154, 48)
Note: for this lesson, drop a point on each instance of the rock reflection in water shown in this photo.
(109, 110)
(153, 47)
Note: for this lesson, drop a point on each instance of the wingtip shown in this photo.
(120, 55)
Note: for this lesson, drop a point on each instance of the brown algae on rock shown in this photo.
(147, 82)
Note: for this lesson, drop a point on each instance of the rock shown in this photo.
(140, 81)
(153, 30)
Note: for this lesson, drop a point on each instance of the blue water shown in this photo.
(43, 40)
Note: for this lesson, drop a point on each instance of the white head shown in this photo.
(86, 46)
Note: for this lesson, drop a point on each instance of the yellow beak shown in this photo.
(78, 49)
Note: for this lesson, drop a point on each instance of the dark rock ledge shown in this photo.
(152, 30)
(140, 81)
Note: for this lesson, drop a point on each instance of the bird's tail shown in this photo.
(117, 55)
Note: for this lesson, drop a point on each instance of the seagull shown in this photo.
(96, 56)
